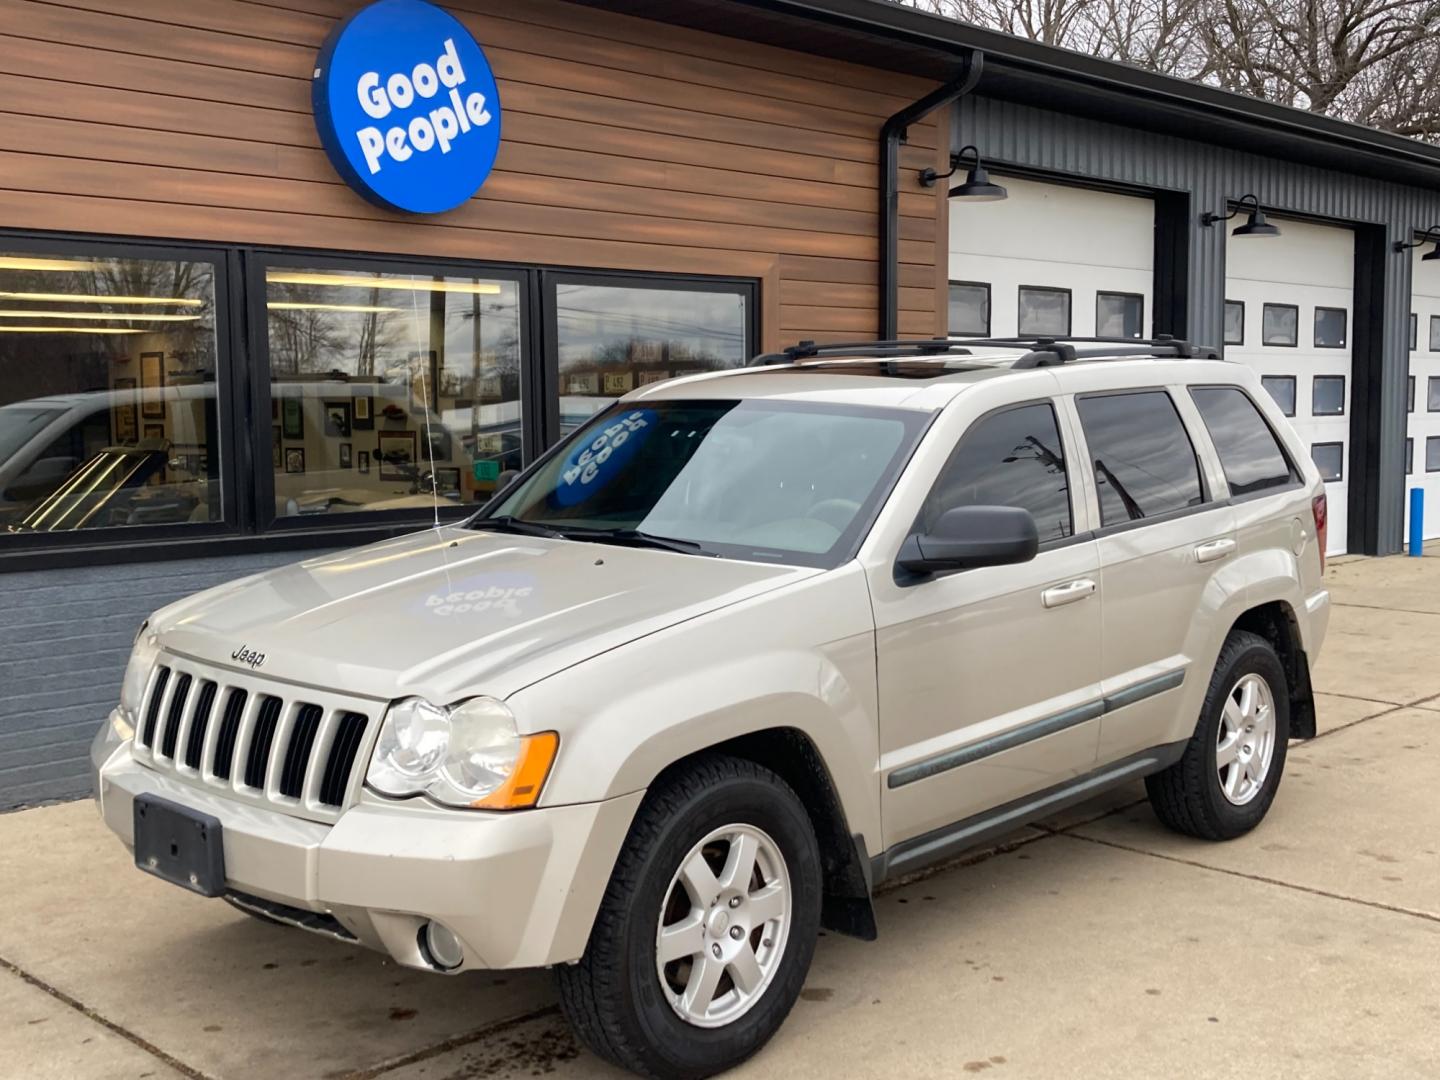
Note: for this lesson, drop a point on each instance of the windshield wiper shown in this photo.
(637, 538)
(511, 524)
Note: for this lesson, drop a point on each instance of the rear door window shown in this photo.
(1010, 458)
(1248, 449)
(1144, 462)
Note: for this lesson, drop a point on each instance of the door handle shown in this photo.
(1060, 595)
(1214, 549)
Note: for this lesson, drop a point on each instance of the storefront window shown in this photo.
(107, 393)
(388, 389)
(613, 338)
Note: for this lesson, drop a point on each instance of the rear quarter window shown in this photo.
(1249, 451)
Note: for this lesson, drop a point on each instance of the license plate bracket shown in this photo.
(179, 845)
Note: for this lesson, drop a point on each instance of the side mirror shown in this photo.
(971, 536)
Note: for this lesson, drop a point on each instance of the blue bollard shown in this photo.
(1417, 521)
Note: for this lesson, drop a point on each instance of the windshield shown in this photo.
(757, 479)
(18, 425)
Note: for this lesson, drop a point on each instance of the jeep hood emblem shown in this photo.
(246, 655)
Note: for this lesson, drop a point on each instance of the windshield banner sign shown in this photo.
(407, 107)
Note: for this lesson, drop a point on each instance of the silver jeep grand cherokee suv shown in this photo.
(741, 648)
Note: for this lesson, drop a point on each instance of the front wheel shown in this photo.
(1223, 785)
(706, 931)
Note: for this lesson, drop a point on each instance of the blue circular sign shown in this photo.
(407, 107)
(593, 463)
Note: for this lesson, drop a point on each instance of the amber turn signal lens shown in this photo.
(527, 780)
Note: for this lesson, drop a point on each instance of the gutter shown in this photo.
(892, 135)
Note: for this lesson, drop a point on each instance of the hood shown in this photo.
(451, 613)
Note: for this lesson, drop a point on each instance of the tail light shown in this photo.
(1322, 524)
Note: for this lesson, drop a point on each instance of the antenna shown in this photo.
(425, 390)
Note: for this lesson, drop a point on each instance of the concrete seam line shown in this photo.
(1300, 744)
(89, 1013)
(1394, 908)
(425, 1053)
(1381, 607)
(1355, 697)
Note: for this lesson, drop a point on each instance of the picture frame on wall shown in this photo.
(152, 377)
(345, 461)
(447, 482)
(362, 462)
(293, 421)
(337, 419)
(364, 413)
(294, 459)
(396, 451)
(123, 416)
(154, 431)
(277, 451)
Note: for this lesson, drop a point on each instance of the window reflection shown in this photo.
(388, 389)
(612, 339)
(107, 392)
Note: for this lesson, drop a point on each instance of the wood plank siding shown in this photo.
(627, 144)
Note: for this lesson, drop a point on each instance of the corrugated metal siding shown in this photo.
(1032, 138)
(65, 636)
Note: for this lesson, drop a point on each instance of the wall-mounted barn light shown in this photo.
(977, 186)
(1429, 236)
(1255, 225)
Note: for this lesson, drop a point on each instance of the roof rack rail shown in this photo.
(1040, 351)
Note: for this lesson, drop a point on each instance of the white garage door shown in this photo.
(1052, 259)
(1289, 302)
(1422, 447)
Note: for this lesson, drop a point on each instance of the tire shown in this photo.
(1192, 796)
(627, 1008)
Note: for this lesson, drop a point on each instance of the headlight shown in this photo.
(466, 755)
(137, 674)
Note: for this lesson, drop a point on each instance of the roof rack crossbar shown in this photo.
(1040, 351)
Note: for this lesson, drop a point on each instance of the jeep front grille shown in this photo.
(290, 748)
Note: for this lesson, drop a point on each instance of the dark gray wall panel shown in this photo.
(64, 638)
(1052, 142)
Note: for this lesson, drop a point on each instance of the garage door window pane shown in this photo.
(1248, 449)
(969, 309)
(1414, 331)
(1410, 394)
(1045, 312)
(107, 393)
(1329, 458)
(1327, 396)
(1234, 322)
(1119, 315)
(1013, 458)
(1330, 328)
(1282, 389)
(614, 338)
(388, 389)
(1435, 333)
(1432, 454)
(1280, 324)
(1409, 456)
(1144, 462)
(1432, 394)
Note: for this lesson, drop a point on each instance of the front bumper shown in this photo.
(519, 889)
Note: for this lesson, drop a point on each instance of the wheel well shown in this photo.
(844, 862)
(1276, 623)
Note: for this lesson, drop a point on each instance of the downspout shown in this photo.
(891, 136)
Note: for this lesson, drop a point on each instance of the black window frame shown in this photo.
(1339, 478)
(1066, 452)
(1069, 310)
(1344, 314)
(989, 307)
(1280, 344)
(1316, 381)
(26, 550)
(1207, 495)
(1241, 339)
(1294, 392)
(1123, 296)
(242, 361)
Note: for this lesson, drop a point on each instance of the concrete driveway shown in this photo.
(1096, 946)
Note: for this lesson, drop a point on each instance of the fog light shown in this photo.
(441, 947)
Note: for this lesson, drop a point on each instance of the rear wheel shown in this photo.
(707, 928)
(1224, 784)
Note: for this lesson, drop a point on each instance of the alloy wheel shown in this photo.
(1245, 742)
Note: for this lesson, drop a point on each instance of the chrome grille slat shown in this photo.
(294, 750)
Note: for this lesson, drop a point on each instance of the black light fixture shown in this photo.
(1429, 236)
(1255, 225)
(977, 186)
